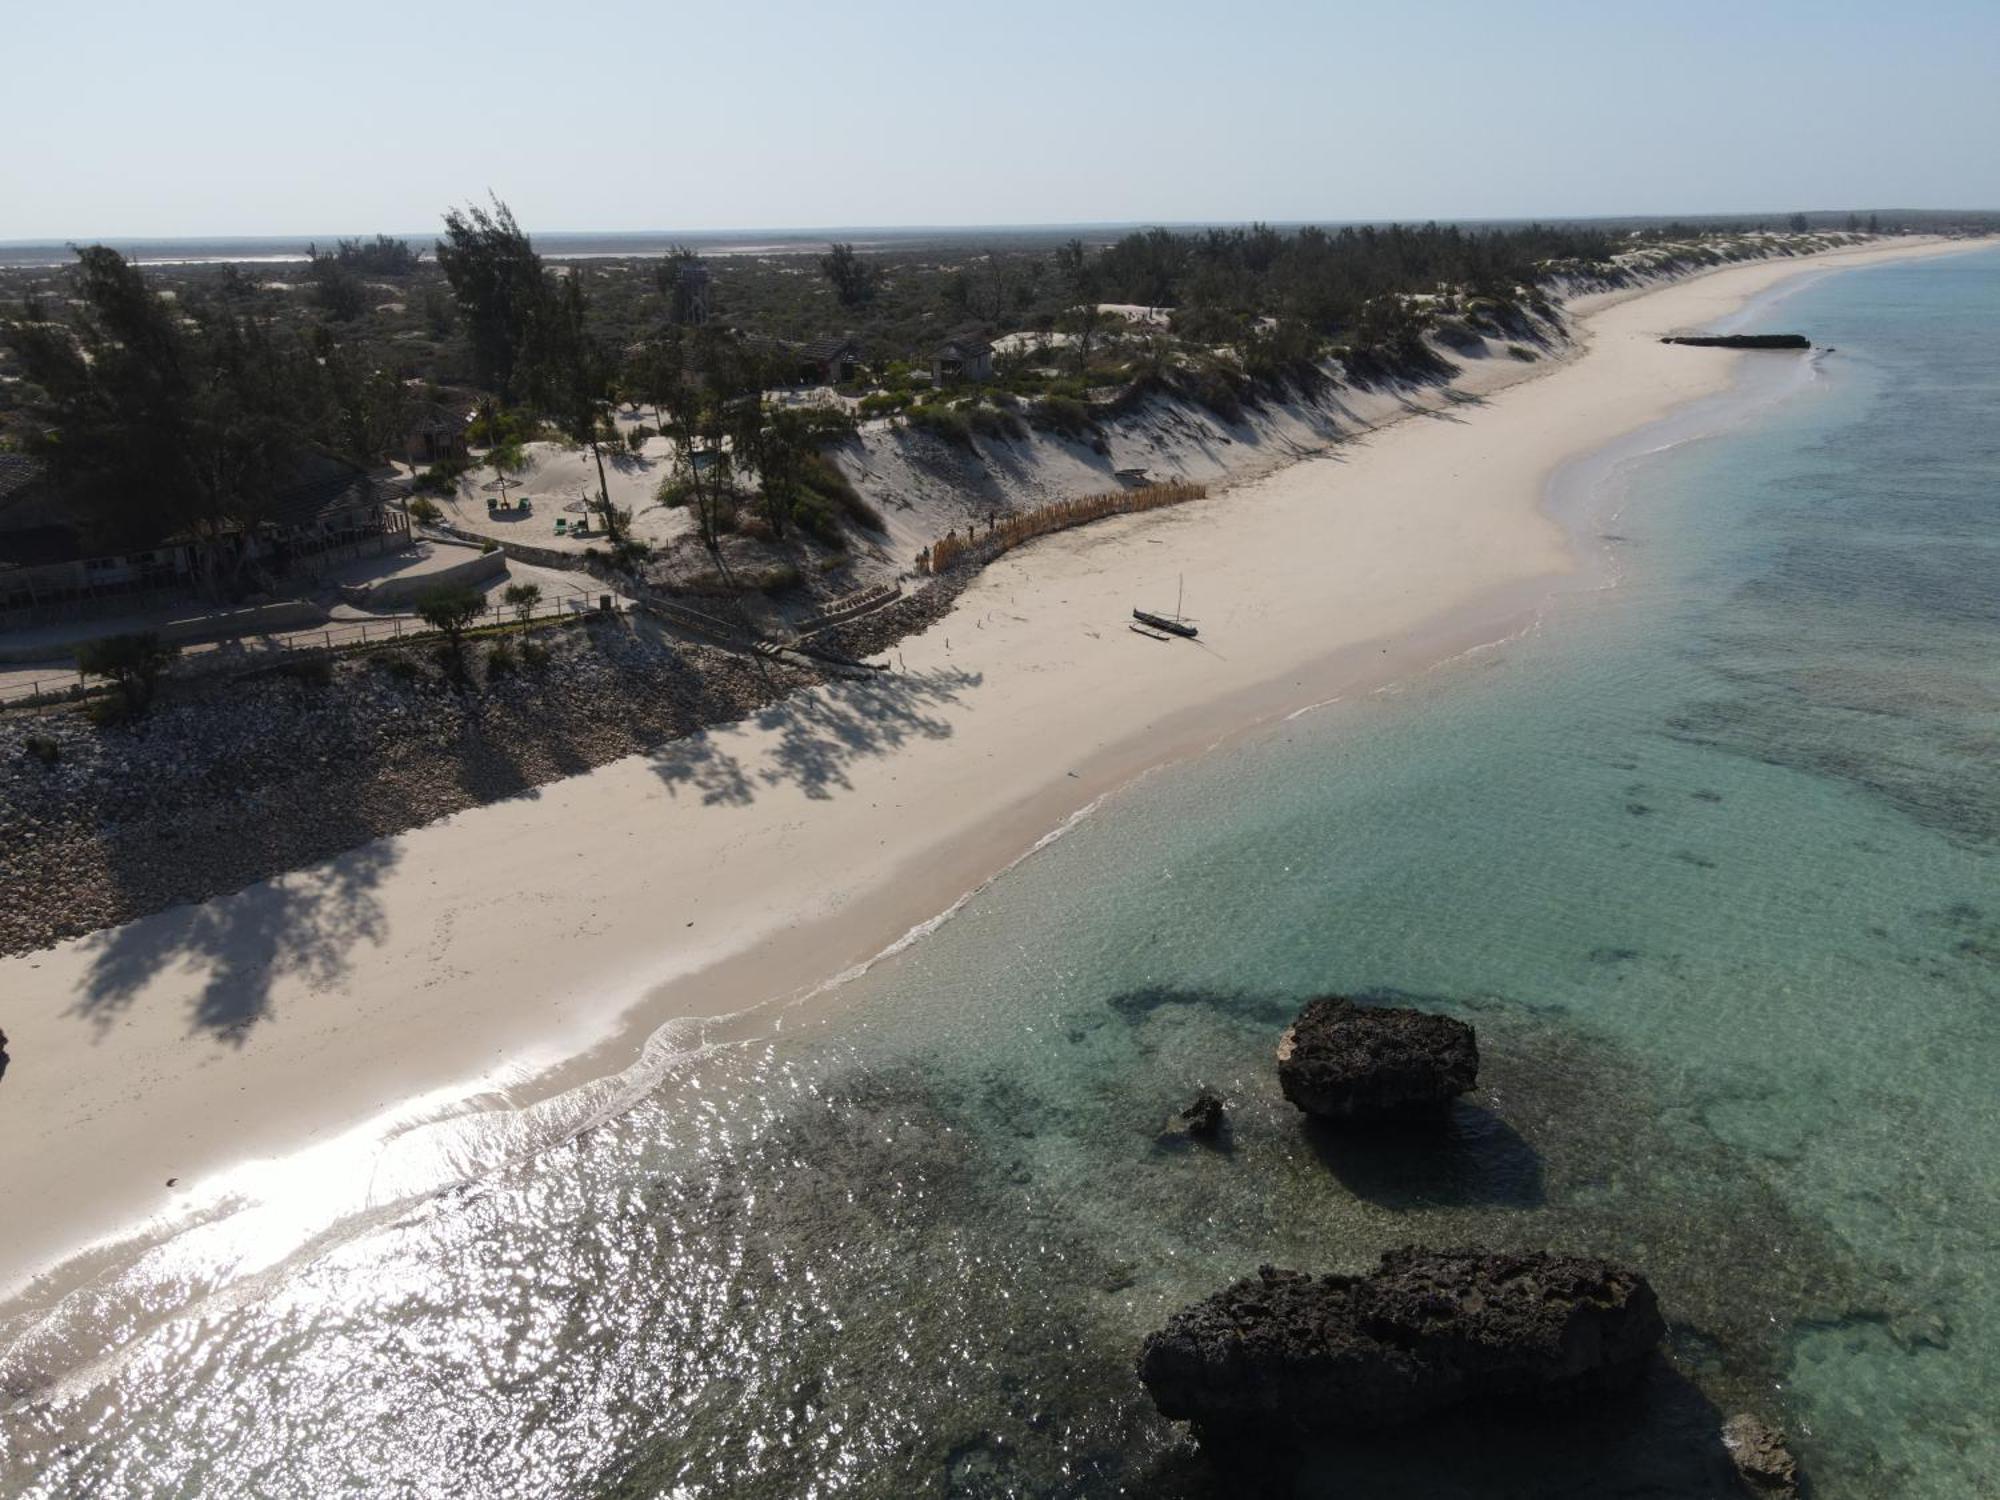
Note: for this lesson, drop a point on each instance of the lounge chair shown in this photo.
(562, 525)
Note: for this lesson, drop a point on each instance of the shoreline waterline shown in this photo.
(881, 900)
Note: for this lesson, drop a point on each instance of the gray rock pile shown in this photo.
(229, 782)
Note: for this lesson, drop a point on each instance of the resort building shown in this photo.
(437, 435)
(827, 361)
(52, 569)
(962, 357)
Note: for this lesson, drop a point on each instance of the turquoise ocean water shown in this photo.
(1708, 857)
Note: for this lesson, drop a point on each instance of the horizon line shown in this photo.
(814, 231)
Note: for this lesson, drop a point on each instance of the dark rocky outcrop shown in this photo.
(1342, 1061)
(1743, 340)
(1761, 1456)
(1286, 1355)
(1203, 1119)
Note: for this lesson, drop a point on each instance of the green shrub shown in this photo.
(42, 748)
(451, 610)
(1064, 414)
(885, 403)
(1456, 334)
(1216, 390)
(441, 478)
(628, 554)
(493, 428)
(1523, 353)
(534, 654)
(131, 663)
(500, 660)
(396, 664)
(817, 517)
(946, 422)
(1207, 325)
(424, 510)
(828, 424)
(822, 478)
(522, 599)
(989, 423)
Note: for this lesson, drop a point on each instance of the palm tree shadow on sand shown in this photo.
(819, 737)
(304, 924)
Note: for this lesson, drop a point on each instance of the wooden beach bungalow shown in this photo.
(963, 357)
(827, 361)
(436, 436)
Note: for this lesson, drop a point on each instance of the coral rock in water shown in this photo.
(1204, 1116)
(1760, 1455)
(1285, 1354)
(1343, 1061)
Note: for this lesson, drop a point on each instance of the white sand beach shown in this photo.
(517, 950)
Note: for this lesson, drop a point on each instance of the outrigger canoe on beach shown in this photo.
(1161, 622)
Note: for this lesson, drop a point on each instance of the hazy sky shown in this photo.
(121, 119)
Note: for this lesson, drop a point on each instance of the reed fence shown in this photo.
(1006, 532)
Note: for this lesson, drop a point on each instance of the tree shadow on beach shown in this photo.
(1446, 407)
(819, 736)
(304, 924)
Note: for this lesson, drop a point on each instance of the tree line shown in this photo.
(1321, 278)
(161, 416)
(158, 418)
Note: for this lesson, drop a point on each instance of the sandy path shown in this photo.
(533, 944)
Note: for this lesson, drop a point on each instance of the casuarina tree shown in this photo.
(501, 287)
(157, 421)
(854, 279)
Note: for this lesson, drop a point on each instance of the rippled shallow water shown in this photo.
(1708, 859)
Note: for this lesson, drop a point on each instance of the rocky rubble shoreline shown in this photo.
(230, 782)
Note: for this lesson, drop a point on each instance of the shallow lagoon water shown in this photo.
(1708, 858)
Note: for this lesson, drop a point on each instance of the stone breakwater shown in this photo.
(227, 784)
(879, 630)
